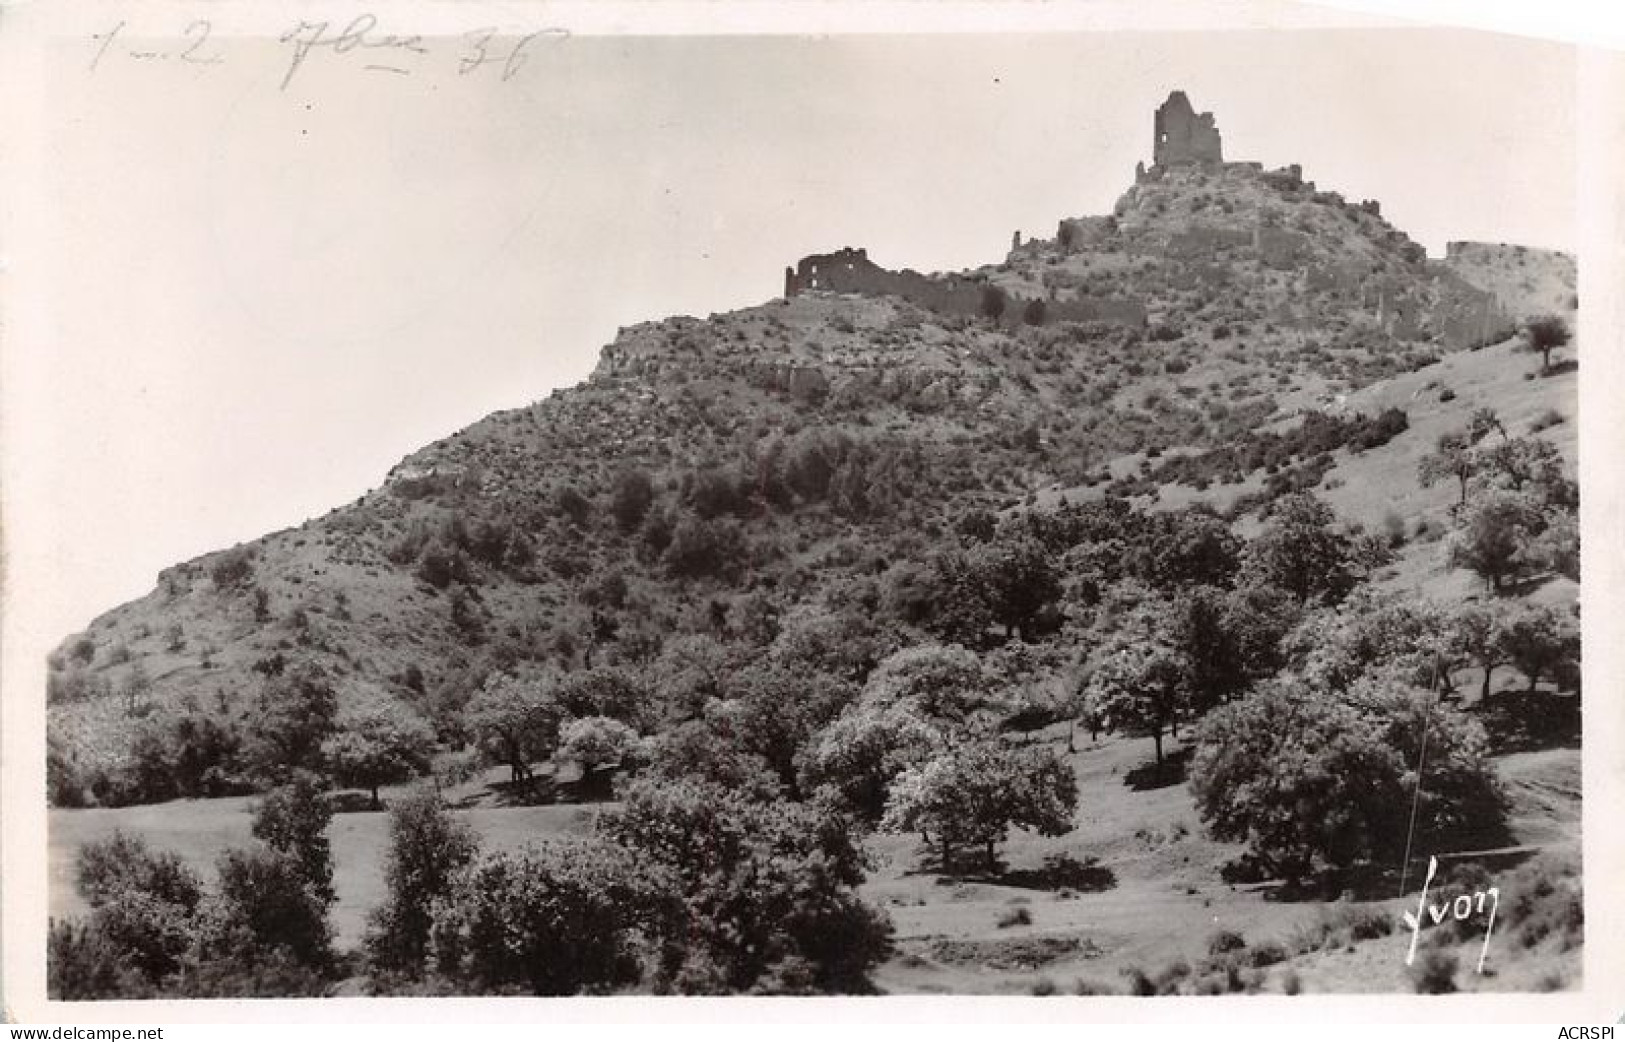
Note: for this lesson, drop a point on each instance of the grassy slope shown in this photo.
(1150, 895)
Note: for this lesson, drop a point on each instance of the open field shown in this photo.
(1135, 885)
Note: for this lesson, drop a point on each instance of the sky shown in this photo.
(257, 298)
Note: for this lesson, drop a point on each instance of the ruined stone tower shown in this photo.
(1181, 136)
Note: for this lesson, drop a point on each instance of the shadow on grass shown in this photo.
(1524, 587)
(1171, 771)
(1487, 857)
(528, 793)
(1061, 872)
(1058, 872)
(1530, 721)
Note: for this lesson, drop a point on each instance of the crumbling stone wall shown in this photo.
(851, 271)
(1181, 135)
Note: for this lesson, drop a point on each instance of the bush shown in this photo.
(1225, 941)
(1138, 982)
(756, 884)
(265, 908)
(1266, 954)
(232, 568)
(1545, 421)
(427, 848)
(292, 819)
(82, 964)
(1434, 972)
(123, 864)
(549, 920)
(1021, 916)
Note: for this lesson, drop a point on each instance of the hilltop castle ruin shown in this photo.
(1181, 136)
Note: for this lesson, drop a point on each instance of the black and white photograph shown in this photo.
(510, 507)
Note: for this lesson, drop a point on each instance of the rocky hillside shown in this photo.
(1527, 281)
(722, 475)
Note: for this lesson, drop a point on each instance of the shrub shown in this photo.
(427, 848)
(292, 819)
(1545, 421)
(122, 864)
(1138, 982)
(82, 963)
(232, 568)
(1225, 941)
(755, 884)
(1266, 954)
(1021, 916)
(1434, 972)
(265, 911)
(550, 920)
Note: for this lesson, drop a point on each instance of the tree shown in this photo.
(1483, 421)
(1541, 641)
(1532, 465)
(109, 868)
(1453, 456)
(1495, 534)
(516, 720)
(944, 684)
(552, 919)
(427, 848)
(1019, 579)
(630, 498)
(143, 908)
(702, 751)
(961, 610)
(1335, 649)
(993, 302)
(288, 723)
(1542, 335)
(701, 548)
(974, 793)
(1300, 551)
(1141, 684)
(1184, 548)
(862, 752)
(292, 819)
(1199, 628)
(1309, 777)
(612, 691)
(265, 909)
(376, 743)
(761, 894)
(1478, 632)
(774, 711)
(597, 743)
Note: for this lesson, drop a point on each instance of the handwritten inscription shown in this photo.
(189, 49)
(361, 42)
(1461, 909)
